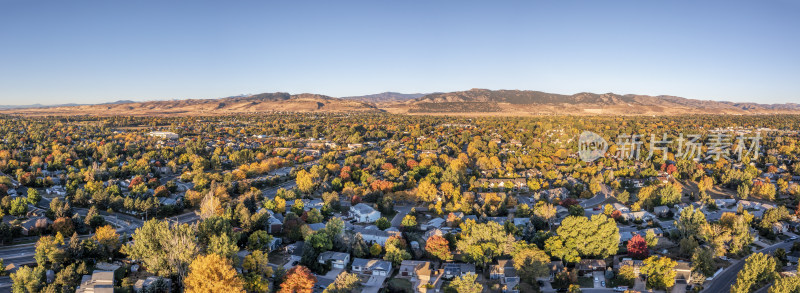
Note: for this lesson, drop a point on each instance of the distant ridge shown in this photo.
(470, 102)
(517, 102)
(385, 97)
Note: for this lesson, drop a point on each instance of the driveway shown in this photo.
(373, 284)
(598, 278)
(402, 211)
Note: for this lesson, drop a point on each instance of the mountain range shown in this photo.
(470, 102)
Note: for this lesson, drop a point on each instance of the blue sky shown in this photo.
(101, 51)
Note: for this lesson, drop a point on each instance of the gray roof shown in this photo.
(363, 208)
(372, 264)
(333, 255)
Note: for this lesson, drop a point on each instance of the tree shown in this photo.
(703, 261)
(28, 280)
(259, 240)
(305, 181)
(314, 216)
(375, 249)
(438, 247)
(531, 263)
(33, 196)
(299, 279)
(626, 275)
(426, 191)
(660, 272)
(637, 247)
(222, 245)
(48, 254)
(344, 283)
(257, 262)
(578, 236)
(165, 250)
(545, 211)
(758, 268)
(108, 239)
(481, 243)
(785, 285)
(395, 254)
(210, 206)
(383, 223)
(320, 241)
(690, 222)
(466, 284)
(409, 222)
(212, 273)
(298, 207)
(652, 239)
(573, 288)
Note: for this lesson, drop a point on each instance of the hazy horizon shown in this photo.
(93, 52)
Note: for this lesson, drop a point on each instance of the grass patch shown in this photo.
(586, 282)
(400, 285)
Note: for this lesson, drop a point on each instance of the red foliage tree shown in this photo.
(637, 247)
(299, 279)
(438, 247)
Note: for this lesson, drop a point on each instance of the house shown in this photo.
(683, 271)
(621, 207)
(339, 260)
(555, 267)
(163, 134)
(505, 272)
(428, 279)
(153, 284)
(316, 226)
(552, 194)
(375, 267)
(587, 266)
(641, 215)
(635, 264)
(408, 267)
(724, 202)
(432, 232)
(97, 282)
(275, 243)
(434, 223)
(364, 213)
(452, 270)
(779, 228)
(454, 218)
(661, 211)
(274, 225)
(375, 235)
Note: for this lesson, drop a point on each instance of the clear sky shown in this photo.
(100, 51)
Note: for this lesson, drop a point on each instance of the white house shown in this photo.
(375, 235)
(338, 259)
(364, 213)
(164, 134)
(375, 267)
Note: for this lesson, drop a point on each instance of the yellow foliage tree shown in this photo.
(212, 273)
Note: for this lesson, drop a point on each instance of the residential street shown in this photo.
(723, 282)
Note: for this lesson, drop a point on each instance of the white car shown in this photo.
(620, 288)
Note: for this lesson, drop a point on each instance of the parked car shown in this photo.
(620, 288)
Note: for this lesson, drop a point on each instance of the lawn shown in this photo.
(586, 282)
(398, 284)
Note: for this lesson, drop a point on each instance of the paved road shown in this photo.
(270, 192)
(723, 282)
(402, 211)
(600, 197)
